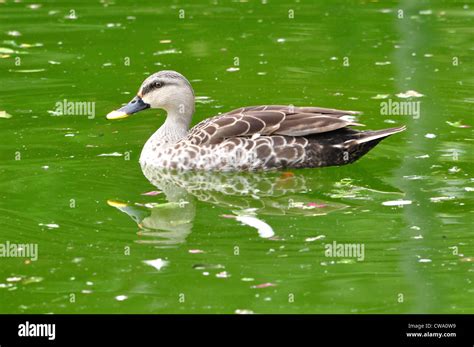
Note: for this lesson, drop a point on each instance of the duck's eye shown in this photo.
(158, 84)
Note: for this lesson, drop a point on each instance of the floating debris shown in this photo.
(311, 239)
(397, 202)
(32, 279)
(454, 169)
(196, 251)
(114, 154)
(34, 6)
(430, 136)
(417, 237)
(165, 41)
(232, 69)
(415, 177)
(380, 63)
(380, 96)
(424, 156)
(208, 266)
(441, 198)
(281, 40)
(152, 193)
(4, 50)
(168, 51)
(409, 94)
(458, 124)
(4, 114)
(121, 297)
(114, 25)
(28, 71)
(52, 62)
(315, 205)
(424, 260)
(49, 226)
(239, 311)
(157, 263)
(223, 274)
(264, 285)
(14, 33)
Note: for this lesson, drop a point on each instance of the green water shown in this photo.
(56, 182)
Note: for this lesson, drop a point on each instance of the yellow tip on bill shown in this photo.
(116, 115)
(117, 204)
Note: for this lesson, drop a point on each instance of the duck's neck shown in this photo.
(173, 129)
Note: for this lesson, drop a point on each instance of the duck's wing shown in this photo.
(269, 120)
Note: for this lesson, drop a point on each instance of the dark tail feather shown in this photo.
(369, 136)
(366, 140)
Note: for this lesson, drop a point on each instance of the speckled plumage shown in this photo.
(266, 137)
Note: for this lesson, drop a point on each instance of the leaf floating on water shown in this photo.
(29, 45)
(397, 202)
(346, 261)
(114, 154)
(4, 114)
(4, 50)
(380, 96)
(32, 279)
(441, 198)
(195, 251)
(228, 216)
(311, 239)
(49, 225)
(157, 263)
(14, 33)
(223, 274)
(458, 124)
(208, 266)
(410, 94)
(152, 193)
(264, 285)
(424, 260)
(168, 51)
(28, 71)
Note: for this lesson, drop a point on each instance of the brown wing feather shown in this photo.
(268, 120)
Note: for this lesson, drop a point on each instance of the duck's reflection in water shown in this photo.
(245, 196)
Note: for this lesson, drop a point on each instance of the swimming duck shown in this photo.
(249, 138)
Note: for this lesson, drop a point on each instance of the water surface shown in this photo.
(73, 185)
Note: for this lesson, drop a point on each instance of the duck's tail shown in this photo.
(344, 146)
(369, 136)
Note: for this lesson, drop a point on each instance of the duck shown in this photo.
(252, 138)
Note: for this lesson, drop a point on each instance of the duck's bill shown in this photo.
(134, 106)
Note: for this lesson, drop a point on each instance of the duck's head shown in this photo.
(168, 90)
